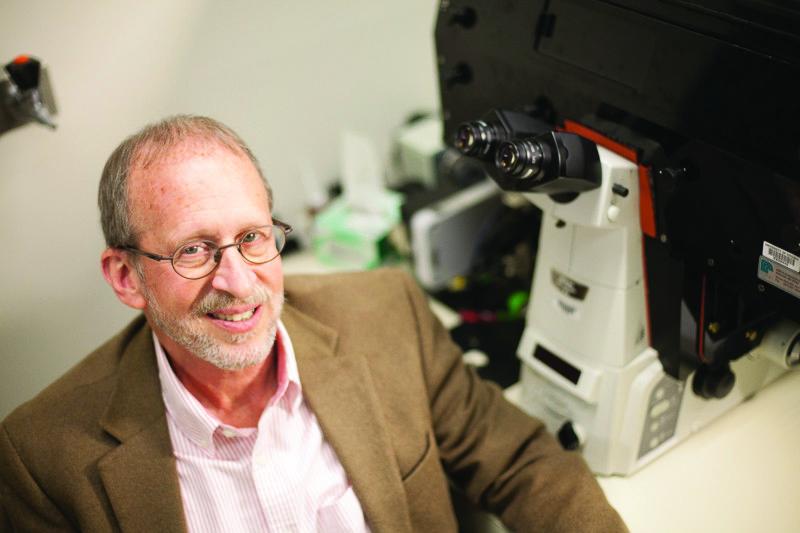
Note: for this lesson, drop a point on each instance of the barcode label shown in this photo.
(781, 256)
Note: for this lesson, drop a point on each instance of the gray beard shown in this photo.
(188, 332)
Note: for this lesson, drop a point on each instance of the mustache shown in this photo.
(216, 300)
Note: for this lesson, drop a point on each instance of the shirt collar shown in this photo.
(289, 386)
(195, 421)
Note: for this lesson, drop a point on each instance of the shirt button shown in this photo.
(229, 433)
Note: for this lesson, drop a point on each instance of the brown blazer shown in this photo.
(92, 451)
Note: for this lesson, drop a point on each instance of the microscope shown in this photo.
(667, 282)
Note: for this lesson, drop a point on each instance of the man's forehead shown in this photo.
(154, 154)
(163, 169)
(189, 178)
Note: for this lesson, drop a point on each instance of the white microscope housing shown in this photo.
(588, 371)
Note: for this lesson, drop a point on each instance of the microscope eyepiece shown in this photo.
(521, 153)
(475, 138)
(519, 158)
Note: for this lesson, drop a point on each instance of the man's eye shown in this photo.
(252, 236)
(192, 249)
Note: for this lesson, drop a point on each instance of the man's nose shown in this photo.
(233, 274)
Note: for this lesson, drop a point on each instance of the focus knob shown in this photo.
(571, 436)
(713, 382)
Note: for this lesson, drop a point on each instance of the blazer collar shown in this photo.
(139, 475)
(339, 389)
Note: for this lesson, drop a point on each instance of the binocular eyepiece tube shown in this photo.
(523, 154)
(476, 138)
(519, 158)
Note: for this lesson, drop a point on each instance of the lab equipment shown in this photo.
(446, 235)
(667, 279)
(25, 94)
(353, 230)
(416, 152)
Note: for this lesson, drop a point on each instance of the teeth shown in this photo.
(235, 318)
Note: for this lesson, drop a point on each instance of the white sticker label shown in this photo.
(779, 276)
(779, 255)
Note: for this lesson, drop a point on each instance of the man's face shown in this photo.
(228, 318)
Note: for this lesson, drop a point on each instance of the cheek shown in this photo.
(271, 275)
(277, 284)
(171, 294)
(158, 276)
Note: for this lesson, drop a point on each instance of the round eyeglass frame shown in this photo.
(285, 228)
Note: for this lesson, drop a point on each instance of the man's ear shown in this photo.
(121, 275)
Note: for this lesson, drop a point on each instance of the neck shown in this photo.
(235, 397)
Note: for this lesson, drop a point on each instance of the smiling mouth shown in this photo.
(238, 317)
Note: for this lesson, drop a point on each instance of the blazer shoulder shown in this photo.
(353, 297)
(381, 283)
(299, 284)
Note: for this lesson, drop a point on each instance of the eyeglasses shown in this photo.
(197, 259)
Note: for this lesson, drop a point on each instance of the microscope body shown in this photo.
(667, 282)
(588, 370)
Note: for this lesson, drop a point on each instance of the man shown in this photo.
(337, 404)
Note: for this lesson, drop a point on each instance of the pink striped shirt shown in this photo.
(280, 476)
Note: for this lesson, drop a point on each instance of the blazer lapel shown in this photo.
(140, 475)
(339, 390)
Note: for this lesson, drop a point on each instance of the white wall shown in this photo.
(287, 75)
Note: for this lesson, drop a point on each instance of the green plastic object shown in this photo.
(516, 303)
(357, 239)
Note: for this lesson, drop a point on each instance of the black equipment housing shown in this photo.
(705, 93)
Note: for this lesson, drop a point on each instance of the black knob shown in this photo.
(568, 437)
(460, 74)
(464, 17)
(713, 382)
(619, 190)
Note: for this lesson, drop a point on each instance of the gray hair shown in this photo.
(151, 144)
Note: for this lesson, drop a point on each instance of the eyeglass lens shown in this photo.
(196, 259)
